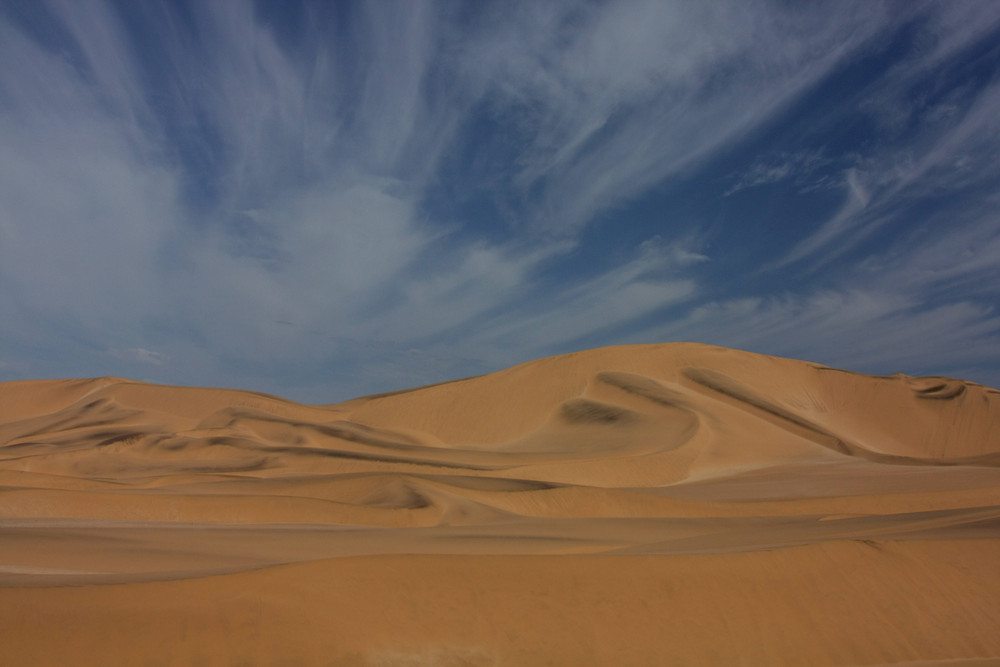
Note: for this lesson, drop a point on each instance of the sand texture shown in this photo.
(637, 505)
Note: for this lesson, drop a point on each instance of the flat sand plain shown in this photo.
(652, 504)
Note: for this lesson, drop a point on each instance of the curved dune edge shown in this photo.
(669, 456)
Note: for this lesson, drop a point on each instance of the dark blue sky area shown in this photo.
(322, 200)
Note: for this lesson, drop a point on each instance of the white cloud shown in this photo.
(862, 330)
(83, 213)
(954, 147)
(647, 283)
(206, 194)
(613, 100)
(847, 217)
(799, 167)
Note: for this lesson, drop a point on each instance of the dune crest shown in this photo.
(688, 457)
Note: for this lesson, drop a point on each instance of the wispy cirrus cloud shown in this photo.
(866, 330)
(613, 101)
(313, 200)
(800, 168)
(945, 143)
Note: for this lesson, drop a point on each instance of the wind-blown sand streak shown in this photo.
(652, 504)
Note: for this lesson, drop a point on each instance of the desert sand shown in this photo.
(635, 505)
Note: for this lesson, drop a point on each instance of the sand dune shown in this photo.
(660, 504)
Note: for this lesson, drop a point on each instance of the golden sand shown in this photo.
(657, 504)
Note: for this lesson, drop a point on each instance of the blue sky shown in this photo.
(322, 200)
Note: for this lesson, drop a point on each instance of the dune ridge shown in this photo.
(656, 457)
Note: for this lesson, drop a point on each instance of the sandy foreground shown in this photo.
(655, 504)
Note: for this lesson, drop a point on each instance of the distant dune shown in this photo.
(652, 504)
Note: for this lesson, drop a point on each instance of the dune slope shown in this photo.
(632, 505)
